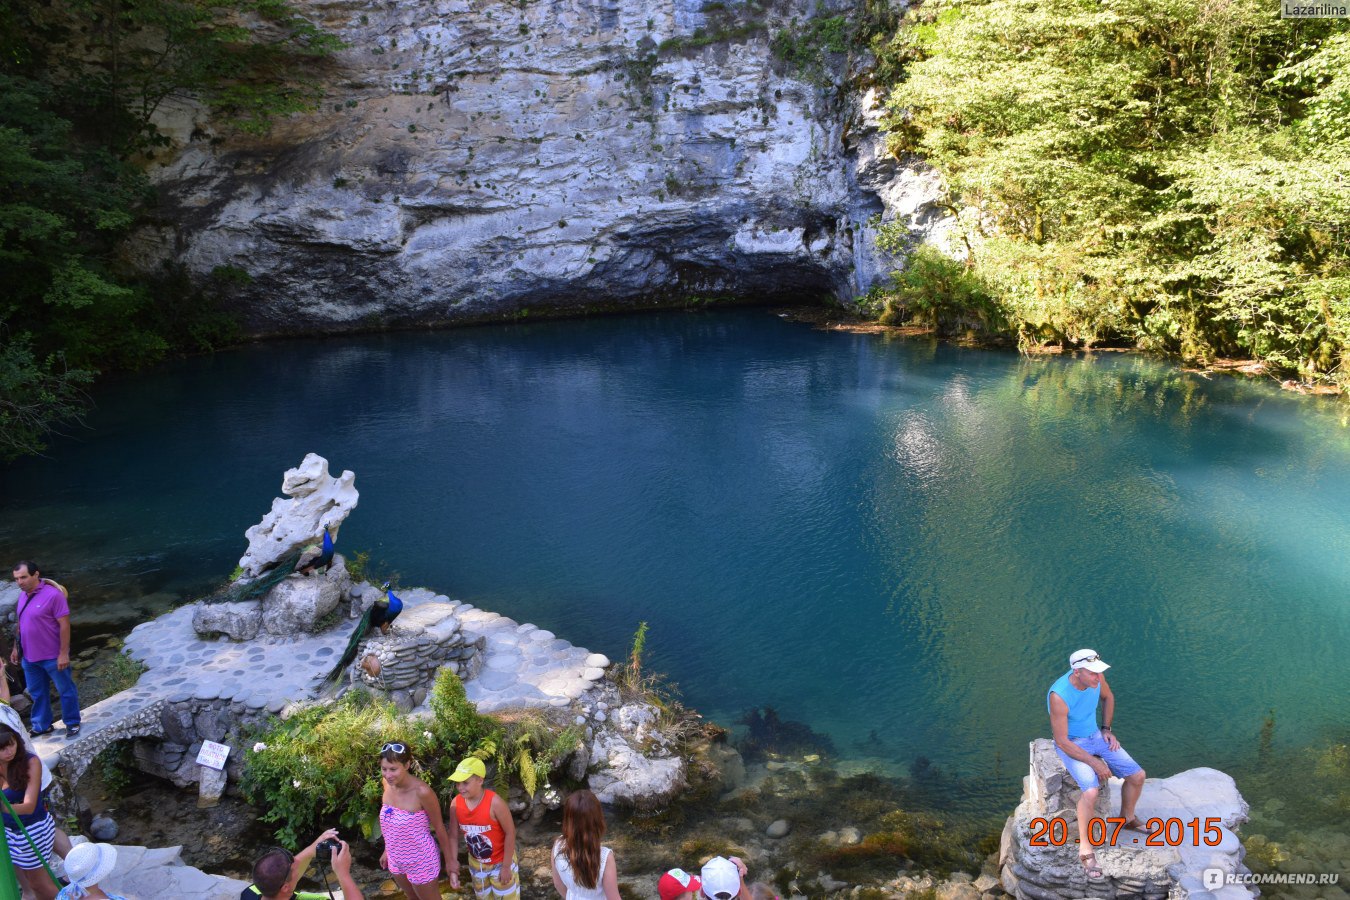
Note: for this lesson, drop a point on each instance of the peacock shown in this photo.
(303, 561)
(381, 614)
(385, 610)
(316, 557)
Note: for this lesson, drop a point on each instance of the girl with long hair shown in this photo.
(582, 869)
(410, 814)
(21, 779)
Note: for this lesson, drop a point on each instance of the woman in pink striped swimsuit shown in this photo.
(410, 814)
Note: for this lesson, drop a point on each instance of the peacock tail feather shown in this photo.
(349, 654)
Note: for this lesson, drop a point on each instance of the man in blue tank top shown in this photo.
(1091, 753)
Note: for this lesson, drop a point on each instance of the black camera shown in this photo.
(324, 850)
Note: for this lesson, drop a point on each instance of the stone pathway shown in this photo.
(144, 873)
(523, 666)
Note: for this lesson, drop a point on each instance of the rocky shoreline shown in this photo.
(716, 803)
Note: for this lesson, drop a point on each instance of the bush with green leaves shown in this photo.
(319, 768)
(1163, 174)
(940, 292)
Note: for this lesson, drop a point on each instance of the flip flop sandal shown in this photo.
(1090, 866)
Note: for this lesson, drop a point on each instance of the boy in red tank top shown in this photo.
(489, 832)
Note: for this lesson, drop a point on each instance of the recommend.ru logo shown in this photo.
(1214, 878)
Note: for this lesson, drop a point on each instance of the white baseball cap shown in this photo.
(721, 879)
(1087, 659)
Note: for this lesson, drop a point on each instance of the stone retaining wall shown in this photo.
(183, 727)
(425, 639)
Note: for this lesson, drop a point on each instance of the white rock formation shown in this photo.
(632, 763)
(1131, 868)
(316, 501)
(471, 161)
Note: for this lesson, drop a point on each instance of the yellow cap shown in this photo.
(468, 768)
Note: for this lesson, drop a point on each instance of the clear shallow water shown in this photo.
(871, 535)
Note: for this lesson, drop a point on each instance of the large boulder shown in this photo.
(9, 599)
(240, 621)
(1131, 868)
(1052, 791)
(299, 603)
(316, 501)
(633, 763)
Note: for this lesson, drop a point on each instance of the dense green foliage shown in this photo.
(321, 766)
(1163, 173)
(79, 85)
(813, 47)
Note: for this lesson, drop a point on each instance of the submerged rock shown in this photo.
(953, 889)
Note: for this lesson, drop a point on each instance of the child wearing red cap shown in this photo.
(677, 884)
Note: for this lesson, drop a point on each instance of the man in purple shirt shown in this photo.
(44, 642)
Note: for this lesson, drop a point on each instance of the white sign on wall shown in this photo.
(213, 755)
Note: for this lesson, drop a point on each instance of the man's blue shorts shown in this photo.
(1118, 761)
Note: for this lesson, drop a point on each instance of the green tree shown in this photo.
(1165, 173)
(250, 61)
(35, 396)
(80, 82)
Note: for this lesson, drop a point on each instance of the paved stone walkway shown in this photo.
(144, 873)
(523, 666)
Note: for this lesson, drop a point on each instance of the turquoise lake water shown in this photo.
(895, 541)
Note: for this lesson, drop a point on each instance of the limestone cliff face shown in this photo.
(478, 158)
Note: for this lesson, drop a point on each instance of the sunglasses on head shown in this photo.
(394, 746)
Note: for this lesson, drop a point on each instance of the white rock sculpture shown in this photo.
(316, 501)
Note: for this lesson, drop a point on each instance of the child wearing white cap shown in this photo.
(721, 879)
